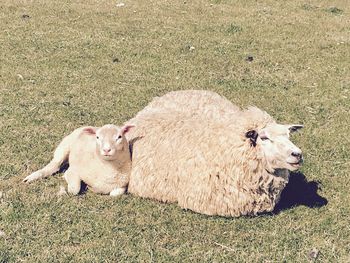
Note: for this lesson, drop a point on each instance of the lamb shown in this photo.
(100, 157)
(199, 150)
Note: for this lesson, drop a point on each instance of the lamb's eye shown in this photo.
(264, 138)
(119, 137)
(97, 137)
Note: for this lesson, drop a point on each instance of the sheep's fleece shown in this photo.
(190, 147)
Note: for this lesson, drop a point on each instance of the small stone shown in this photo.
(192, 48)
(249, 58)
(313, 254)
(120, 4)
(116, 60)
(25, 16)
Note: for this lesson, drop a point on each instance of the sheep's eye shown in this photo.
(119, 137)
(97, 137)
(264, 138)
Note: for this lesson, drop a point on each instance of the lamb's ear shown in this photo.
(252, 135)
(90, 130)
(294, 127)
(126, 128)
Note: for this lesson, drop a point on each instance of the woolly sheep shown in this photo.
(191, 102)
(100, 157)
(199, 150)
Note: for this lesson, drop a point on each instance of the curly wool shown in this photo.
(194, 151)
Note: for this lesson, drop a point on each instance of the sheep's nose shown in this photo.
(297, 155)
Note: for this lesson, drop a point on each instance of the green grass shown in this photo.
(64, 64)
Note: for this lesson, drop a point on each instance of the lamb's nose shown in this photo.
(297, 155)
(106, 150)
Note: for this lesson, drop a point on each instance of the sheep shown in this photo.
(191, 102)
(100, 157)
(197, 149)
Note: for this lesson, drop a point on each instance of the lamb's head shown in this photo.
(279, 151)
(110, 140)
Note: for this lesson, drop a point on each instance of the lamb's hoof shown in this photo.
(73, 190)
(117, 192)
(32, 177)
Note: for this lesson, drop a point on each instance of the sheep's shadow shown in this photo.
(131, 144)
(300, 192)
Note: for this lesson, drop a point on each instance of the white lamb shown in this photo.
(199, 150)
(100, 157)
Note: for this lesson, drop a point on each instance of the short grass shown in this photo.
(64, 64)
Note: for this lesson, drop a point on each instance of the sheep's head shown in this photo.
(278, 150)
(110, 140)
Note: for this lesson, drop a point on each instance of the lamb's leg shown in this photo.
(117, 191)
(73, 181)
(60, 156)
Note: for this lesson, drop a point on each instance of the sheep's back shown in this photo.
(191, 103)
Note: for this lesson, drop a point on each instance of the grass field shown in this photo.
(64, 64)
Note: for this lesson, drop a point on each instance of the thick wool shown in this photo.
(190, 147)
(191, 102)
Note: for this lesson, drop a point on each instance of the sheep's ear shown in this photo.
(294, 127)
(90, 130)
(253, 136)
(126, 128)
